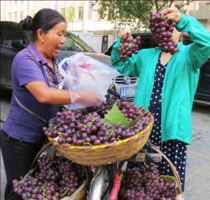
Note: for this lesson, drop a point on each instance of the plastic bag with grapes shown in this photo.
(85, 74)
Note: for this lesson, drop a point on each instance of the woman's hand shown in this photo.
(122, 33)
(173, 14)
(87, 98)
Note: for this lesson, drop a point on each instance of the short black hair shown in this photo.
(44, 19)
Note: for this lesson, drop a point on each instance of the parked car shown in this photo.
(13, 40)
(203, 90)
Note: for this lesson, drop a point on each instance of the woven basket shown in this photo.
(79, 194)
(105, 154)
(173, 169)
(175, 173)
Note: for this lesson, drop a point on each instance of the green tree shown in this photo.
(69, 14)
(134, 13)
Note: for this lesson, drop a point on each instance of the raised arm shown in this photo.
(131, 67)
(29, 74)
(199, 51)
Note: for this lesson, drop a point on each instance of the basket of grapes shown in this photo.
(100, 138)
(146, 183)
(54, 178)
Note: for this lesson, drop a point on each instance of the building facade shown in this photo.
(86, 19)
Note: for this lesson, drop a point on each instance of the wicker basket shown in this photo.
(105, 154)
(80, 193)
(176, 175)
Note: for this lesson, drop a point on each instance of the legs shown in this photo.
(17, 157)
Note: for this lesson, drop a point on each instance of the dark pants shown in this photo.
(18, 157)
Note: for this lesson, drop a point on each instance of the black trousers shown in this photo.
(18, 157)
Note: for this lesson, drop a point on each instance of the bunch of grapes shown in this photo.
(84, 128)
(55, 179)
(163, 30)
(143, 184)
(128, 46)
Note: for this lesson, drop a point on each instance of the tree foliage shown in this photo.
(134, 13)
(70, 14)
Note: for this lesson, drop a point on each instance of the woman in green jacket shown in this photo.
(167, 85)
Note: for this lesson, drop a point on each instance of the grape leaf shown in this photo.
(116, 116)
(169, 179)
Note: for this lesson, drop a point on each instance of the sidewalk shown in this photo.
(198, 160)
(198, 157)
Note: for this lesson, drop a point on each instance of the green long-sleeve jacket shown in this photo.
(180, 82)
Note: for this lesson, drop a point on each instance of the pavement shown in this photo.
(197, 186)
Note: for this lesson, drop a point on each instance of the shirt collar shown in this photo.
(34, 51)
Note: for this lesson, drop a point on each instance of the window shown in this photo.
(21, 15)
(90, 11)
(80, 13)
(63, 12)
(15, 16)
(10, 16)
(10, 34)
(203, 5)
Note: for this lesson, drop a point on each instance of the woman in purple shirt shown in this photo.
(35, 97)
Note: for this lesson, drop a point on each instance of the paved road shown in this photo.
(198, 159)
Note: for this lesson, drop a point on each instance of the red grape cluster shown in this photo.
(128, 46)
(143, 184)
(163, 30)
(55, 179)
(84, 128)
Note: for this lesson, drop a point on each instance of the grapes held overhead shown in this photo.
(86, 128)
(163, 29)
(128, 46)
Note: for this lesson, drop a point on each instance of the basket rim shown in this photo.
(104, 146)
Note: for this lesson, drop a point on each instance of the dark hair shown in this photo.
(44, 19)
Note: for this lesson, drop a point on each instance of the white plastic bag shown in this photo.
(85, 74)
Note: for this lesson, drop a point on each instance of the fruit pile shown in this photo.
(128, 46)
(163, 30)
(55, 179)
(85, 128)
(143, 184)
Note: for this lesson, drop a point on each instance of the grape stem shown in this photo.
(118, 138)
(22, 178)
(67, 178)
(65, 192)
(145, 119)
(61, 135)
(44, 190)
(112, 131)
(86, 143)
(64, 109)
(124, 189)
(146, 165)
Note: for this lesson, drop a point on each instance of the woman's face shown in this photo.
(54, 40)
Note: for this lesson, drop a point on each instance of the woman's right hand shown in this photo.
(89, 99)
(123, 32)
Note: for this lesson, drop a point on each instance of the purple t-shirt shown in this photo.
(28, 66)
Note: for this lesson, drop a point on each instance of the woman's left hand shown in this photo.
(173, 14)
